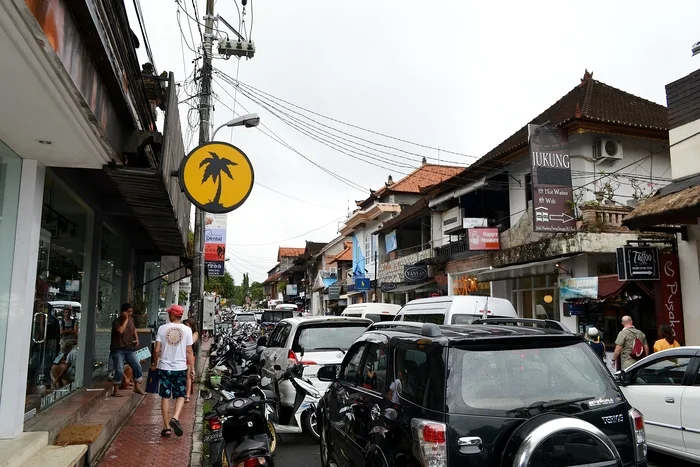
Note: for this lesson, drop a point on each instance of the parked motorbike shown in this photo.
(240, 433)
(301, 417)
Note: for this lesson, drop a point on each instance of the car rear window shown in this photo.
(246, 317)
(465, 319)
(275, 316)
(327, 336)
(377, 317)
(435, 318)
(509, 380)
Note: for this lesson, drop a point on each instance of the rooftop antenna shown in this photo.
(486, 308)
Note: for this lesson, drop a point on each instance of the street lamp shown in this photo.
(248, 121)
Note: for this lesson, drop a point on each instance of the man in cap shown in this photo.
(173, 357)
(125, 340)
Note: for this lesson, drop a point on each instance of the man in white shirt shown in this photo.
(173, 357)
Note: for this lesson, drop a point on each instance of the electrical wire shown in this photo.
(144, 34)
(298, 199)
(294, 237)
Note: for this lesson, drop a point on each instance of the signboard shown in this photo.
(214, 252)
(578, 287)
(670, 309)
(388, 286)
(552, 193)
(483, 239)
(215, 235)
(334, 292)
(471, 222)
(390, 241)
(215, 268)
(452, 220)
(216, 177)
(415, 273)
(291, 289)
(185, 286)
(362, 284)
(638, 263)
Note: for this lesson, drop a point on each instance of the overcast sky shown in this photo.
(458, 75)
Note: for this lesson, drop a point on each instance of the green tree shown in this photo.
(224, 286)
(257, 292)
(182, 299)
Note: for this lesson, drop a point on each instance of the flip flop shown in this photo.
(175, 425)
(166, 433)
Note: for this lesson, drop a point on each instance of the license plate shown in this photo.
(213, 437)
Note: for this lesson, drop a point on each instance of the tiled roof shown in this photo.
(314, 248)
(272, 278)
(592, 101)
(345, 255)
(423, 177)
(289, 253)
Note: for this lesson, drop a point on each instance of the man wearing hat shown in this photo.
(594, 341)
(173, 357)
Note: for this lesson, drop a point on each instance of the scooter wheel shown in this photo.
(310, 425)
(272, 433)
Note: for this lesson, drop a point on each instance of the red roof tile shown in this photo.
(289, 253)
(592, 101)
(423, 177)
(345, 255)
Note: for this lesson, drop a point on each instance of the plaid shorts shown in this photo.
(173, 384)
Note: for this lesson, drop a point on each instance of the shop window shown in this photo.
(10, 170)
(535, 297)
(60, 289)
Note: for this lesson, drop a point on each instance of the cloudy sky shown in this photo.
(456, 75)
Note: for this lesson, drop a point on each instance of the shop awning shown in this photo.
(422, 287)
(540, 268)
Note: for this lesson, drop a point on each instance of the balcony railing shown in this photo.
(601, 218)
(396, 254)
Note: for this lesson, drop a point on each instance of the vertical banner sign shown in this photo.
(670, 310)
(215, 243)
(552, 193)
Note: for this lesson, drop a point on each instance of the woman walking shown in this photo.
(666, 339)
(190, 323)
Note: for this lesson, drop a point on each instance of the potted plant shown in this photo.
(140, 310)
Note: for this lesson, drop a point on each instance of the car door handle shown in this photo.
(670, 400)
(374, 413)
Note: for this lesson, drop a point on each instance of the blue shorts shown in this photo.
(173, 384)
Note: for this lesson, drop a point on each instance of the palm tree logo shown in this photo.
(215, 168)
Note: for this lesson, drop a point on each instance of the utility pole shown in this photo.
(376, 280)
(204, 123)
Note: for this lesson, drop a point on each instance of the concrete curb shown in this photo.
(197, 453)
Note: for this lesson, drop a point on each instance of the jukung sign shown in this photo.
(415, 273)
(639, 263)
(552, 193)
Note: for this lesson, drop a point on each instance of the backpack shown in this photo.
(637, 348)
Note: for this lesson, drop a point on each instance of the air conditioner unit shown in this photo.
(607, 150)
(333, 270)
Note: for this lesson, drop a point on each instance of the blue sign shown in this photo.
(215, 268)
(390, 240)
(362, 284)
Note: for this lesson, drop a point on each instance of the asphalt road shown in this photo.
(300, 451)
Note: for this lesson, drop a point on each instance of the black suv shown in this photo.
(498, 393)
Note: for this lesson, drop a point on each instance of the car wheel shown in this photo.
(310, 425)
(535, 442)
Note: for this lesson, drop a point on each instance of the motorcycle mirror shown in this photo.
(262, 362)
(302, 352)
(278, 368)
(205, 394)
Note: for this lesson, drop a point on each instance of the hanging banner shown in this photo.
(670, 310)
(552, 193)
(390, 241)
(215, 243)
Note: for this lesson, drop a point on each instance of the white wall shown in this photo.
(689, 264)
(684, 156)
(654, 169)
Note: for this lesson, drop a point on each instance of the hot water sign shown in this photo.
(552, 193)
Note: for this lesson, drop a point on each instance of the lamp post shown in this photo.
(248, 121)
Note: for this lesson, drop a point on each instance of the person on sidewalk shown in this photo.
(666, 339)
(125, 340)
(190, 323)
(174, 359)
(630, 345)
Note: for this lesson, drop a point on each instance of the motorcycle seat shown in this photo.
(270, 395)
(249, 448)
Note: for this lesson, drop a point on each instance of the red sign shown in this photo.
(215, 252)
(483, 239)
(670, 311)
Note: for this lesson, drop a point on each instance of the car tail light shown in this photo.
(214, 423)
(430, 442)
(252, 462)
(640, 439)
(292, 357)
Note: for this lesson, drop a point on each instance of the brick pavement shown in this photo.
(139, 443)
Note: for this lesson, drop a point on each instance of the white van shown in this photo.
(456, 309)
(375, 311)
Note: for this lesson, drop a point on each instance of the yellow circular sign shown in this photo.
(217, 177)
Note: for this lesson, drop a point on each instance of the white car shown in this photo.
(456, 309)
(665, 387)
(323, 340)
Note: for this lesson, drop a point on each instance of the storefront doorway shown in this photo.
(60, 291)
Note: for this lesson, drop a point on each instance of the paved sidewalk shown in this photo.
(139, 442)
